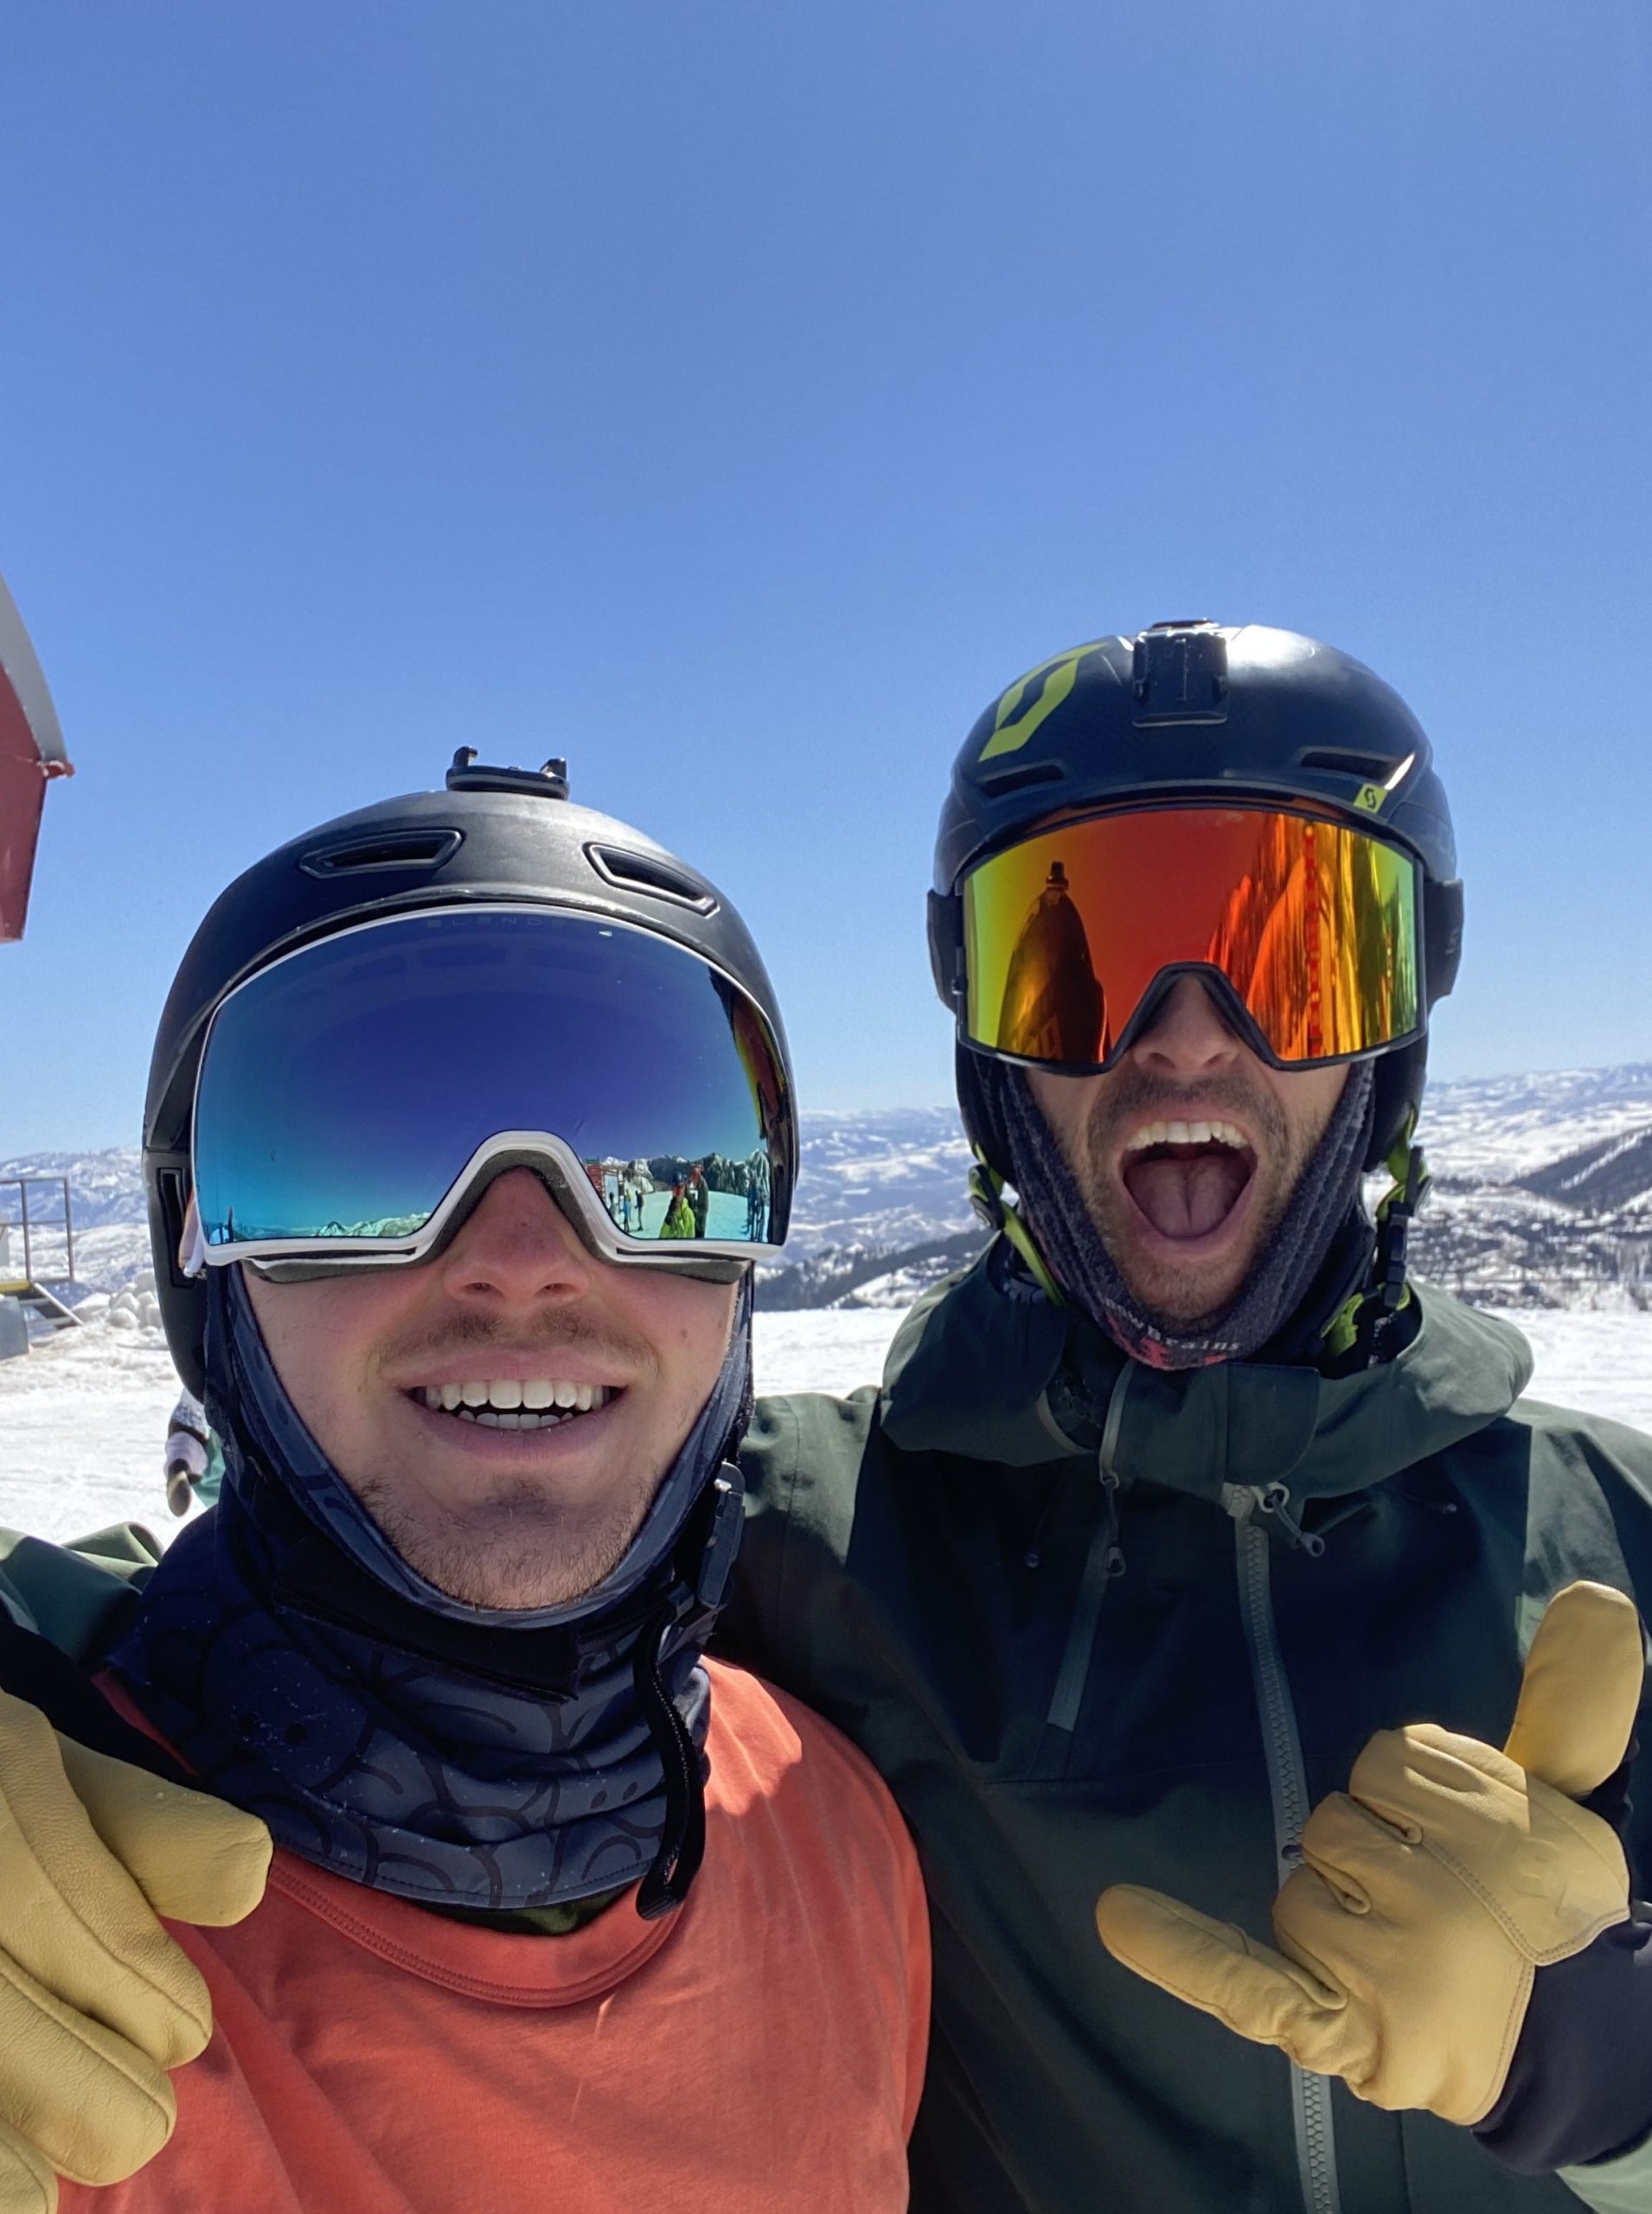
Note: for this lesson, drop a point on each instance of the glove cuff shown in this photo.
(1579, 2086)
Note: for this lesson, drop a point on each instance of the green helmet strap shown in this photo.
(1368, 1317)
(987, 1198)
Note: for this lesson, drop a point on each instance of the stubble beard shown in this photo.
(514, 1551)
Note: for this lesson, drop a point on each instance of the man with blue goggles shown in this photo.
(560, 1910)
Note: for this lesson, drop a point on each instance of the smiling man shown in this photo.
(1182, 1510)
(561, 1913)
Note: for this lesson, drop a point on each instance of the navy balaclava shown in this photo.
(464, 1756)
(1324, 1213)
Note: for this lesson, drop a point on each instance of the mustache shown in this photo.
(1136, 1097)
(550, 1334)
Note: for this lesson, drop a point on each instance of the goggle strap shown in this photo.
(192, 1243)
(987, 1198)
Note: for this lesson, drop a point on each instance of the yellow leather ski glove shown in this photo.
(1431, 1891)
(96, 2000)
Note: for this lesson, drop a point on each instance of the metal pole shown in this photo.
(29, 1272)
(68, 1230)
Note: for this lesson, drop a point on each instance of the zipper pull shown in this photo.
(1274, 1500)
(1115, 1557)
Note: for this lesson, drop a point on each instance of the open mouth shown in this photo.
(515, 1403)
(1188, 1178)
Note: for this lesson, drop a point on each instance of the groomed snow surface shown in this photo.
(83, 1417)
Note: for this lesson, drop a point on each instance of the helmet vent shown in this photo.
(1019, 775)
(629, 872)
(1369, 768)
(419, 849)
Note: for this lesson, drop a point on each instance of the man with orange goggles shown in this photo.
(1183, 1496)
(1240, 907)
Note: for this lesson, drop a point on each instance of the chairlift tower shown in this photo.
(37, 1246)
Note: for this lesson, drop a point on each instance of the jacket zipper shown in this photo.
(1310, 2095)
(1104, 1561)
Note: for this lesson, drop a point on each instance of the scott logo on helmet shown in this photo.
(1029, 699)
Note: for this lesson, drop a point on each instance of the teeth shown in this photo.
(1152, 1134)
(509, 1403)
(498, 1418)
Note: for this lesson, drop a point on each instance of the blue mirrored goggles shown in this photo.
(354, 1095)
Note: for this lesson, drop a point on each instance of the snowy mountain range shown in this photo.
(1542, 1198)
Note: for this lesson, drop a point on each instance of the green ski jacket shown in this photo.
(1096, 1624)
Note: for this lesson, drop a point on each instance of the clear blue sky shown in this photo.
(734, 396)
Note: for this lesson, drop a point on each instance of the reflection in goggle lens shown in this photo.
(344, 1090)
(1313, 923)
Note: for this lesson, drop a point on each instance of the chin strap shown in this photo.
(1370, 1318)
(987, 1198)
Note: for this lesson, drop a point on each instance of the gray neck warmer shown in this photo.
(1326, 1197)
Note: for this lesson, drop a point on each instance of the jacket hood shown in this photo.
(970, 1373)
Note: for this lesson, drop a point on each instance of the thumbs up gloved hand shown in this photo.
(96, 2000)
(1434, 1892)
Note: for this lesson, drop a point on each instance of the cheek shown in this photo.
(1309, 1102)
(321, 1338)
(689, 1324)
(1066, 1103)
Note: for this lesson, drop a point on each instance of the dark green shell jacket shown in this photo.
(1099, 1624)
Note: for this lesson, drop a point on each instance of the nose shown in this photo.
(1187, 1036)
(516, 1249)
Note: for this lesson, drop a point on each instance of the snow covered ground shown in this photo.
(83, 1418)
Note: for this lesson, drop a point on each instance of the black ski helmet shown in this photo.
(1189, 709)
(493, 835)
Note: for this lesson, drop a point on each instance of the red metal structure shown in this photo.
(31, 753)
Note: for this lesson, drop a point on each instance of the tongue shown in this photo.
(1189, 1195)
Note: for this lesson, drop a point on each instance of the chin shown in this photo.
(513, 1561)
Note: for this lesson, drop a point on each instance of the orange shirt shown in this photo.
(760, 2048)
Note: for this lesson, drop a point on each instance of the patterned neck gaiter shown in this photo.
(1324, 1211)
(460, 1756)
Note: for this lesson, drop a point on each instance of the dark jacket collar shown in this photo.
(970, 1373)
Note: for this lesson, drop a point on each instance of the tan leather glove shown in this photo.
(1431, 1891)
(96, 2000)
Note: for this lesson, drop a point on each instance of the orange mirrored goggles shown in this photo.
(1307, 930)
